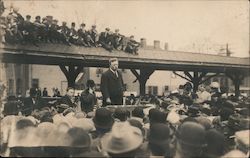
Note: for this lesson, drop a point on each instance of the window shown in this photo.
(153, 90)
(11, 86)
(166, 88)
(35, 83)
(18, 86)
(99, 71)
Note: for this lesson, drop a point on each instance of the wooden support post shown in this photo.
(196, 79)
(142, 78)
(71, 74)
(237, 78)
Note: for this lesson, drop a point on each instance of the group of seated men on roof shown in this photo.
(48, 30)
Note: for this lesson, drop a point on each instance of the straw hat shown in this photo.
(85, 124)
(123, 138)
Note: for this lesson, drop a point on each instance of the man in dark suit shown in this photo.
(105, 40)
(29, 31)
(69, 98)
(112, 84)
(88, 97)
(32, 102)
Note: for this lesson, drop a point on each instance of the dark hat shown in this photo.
(215, 142)
(165, 104)
(24, 123)
(159, 134)
(225, 113)
(191, 134)
(193, 110)
(73, 24)
(158, 117)
(152, 112)
(90, 83)
(103, 118)
(136, 123)
(28, 16)
(205, 122)
(138, 112)
(38, 17)
(49, 17)
(62, 107)
(79, 137)
(120, 113)
(189, 119)
(228, 104)
(82, 24)
(107, 29)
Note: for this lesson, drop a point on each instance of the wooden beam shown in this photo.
(64, 70)
(136, 74)
(188, 74)
(208, 78)
(181, 76)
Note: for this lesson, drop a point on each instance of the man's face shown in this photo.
(114, 65)
(70, 92)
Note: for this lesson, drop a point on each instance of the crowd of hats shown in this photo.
(142, 131)
(176, 125)
(47, 29)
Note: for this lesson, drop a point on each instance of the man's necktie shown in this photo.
(116, 74)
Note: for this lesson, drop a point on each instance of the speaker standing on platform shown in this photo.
(112, 84)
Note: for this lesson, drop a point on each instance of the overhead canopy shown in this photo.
(57, 54)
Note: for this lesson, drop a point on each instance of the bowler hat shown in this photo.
(138, 112)
(79, 137)
(215, 142)
(159, 134)
(191, 134)
(120, 113)
(158, 117)
(103, 118)
(123, 138)
(205, 122)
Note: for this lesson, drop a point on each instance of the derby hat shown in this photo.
(191, 134)
(159, 134)
(103, 118)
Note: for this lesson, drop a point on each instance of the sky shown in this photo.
(194, 26)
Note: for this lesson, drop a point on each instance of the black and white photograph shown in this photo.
(125, 78)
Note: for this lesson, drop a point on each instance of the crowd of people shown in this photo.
(47, 29)
(181, 125)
